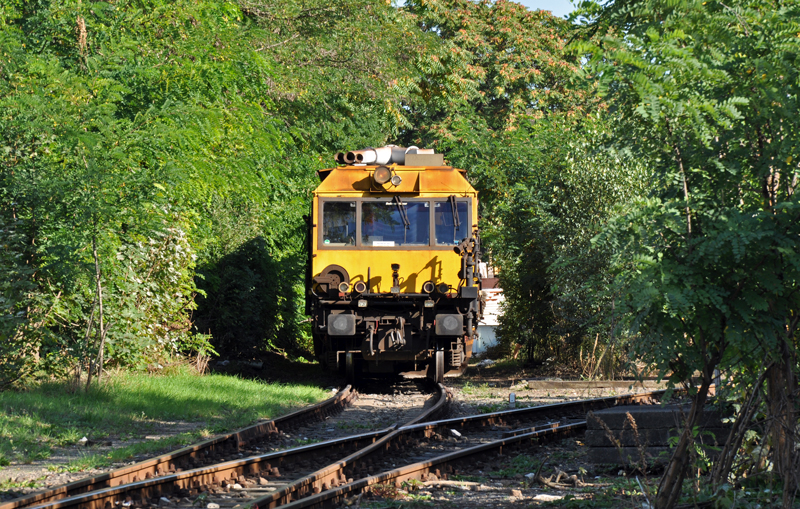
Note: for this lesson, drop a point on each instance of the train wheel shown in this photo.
(438, 376)
(350, 368)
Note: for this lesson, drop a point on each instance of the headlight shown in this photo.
(343, 287)
(449, 325)
(382, 175)
(341, 325)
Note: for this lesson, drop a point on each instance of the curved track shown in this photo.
(326, 473)
(111, 490)
(213, 449)
(434, 450)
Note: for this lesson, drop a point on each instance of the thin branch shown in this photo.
(262, 48)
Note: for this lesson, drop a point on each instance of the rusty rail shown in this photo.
(420, 470)
(197, 479)
(178, 460)
(103, 494)
(332, 483)
(341, 472)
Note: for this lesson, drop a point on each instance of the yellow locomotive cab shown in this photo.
(392, 280)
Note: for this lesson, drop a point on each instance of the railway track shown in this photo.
(220, 461)
(213, 450)
(436, 450)
(326, 473)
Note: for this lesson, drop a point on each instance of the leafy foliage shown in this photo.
(559, 195)
(496, 62)
(501, 96)
(707, 267)
(171, 134)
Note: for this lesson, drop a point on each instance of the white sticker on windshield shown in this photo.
(383, 243)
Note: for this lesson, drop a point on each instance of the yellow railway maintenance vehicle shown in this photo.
(393, 285)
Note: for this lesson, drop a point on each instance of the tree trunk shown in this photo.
(671, 485)
(724, 463)
(85, 348)
(102, 330)
(781, 392)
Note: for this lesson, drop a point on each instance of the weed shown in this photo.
(599, 501)
(412, 484)
(124, 453)
(398, 504)
(385, 491)
(10, 484)
(353, 425)
(560, 456)
(419, 498)
(201, 499)
(491, 407)
(469, 478)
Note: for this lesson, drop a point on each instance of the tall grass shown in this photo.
(130, 405)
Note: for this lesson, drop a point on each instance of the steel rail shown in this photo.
(442, 400)
(316, 483)
(177, 460)
(551, 410)
(339, 473)
(196, 479)
(435, 466)
(266, 464)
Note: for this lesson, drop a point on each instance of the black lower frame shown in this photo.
(394, 333)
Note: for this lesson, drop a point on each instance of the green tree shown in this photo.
(174, 139)
(706, 94)
(500, 96)
(559, 194)
(496, 62)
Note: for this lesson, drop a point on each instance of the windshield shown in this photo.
(382, 223)
(447, 234)
(339, 223)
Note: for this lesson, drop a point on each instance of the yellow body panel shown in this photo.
(417, 264)
(416, 267)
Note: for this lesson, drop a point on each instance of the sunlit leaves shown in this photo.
(203, 121)
(703, 90)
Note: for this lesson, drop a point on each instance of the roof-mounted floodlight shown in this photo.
(382, 175)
